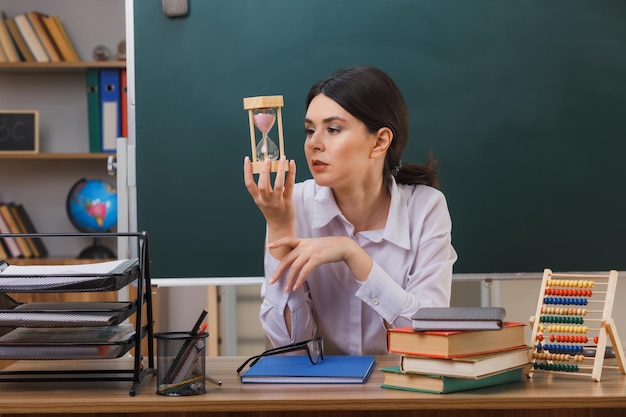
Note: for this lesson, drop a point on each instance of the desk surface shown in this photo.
(569, 395)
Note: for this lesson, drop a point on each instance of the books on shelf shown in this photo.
(6, 40)
(3, 56)
(23, 217)
(458, 318)
(20, 42)
(394, 378)
(472, 367)
(61, 38)
(15, 219)
(448, 344)
(298, 369)
(35, 37)
(12, 248)
(36, 21)
(11, 221)
(31, 38)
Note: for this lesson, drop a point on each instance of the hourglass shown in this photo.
(264, 112)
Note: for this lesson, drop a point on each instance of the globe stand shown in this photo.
(97, 251)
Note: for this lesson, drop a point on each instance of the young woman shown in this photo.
(366, 242)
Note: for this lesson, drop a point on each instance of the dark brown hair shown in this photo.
(370, 95)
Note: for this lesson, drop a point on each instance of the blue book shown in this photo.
(299, 370)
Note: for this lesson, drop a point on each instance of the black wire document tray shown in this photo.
(102, 276)
(108, 342)
(49, 329)
(63, 314)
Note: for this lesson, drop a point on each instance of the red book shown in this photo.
(406, 341)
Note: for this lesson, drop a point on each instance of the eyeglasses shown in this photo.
(314, 349)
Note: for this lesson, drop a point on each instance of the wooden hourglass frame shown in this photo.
(259, 103)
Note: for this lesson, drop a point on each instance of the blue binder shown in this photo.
(110, 108)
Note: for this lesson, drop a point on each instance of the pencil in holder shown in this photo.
(181, 363)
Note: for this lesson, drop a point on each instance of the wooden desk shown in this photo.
(543, 395)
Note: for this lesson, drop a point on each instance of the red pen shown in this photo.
(202, 328)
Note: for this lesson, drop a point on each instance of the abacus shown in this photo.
(572, 323)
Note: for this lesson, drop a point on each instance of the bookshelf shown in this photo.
(41, 181)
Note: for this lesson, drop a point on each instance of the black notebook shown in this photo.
(458, 318)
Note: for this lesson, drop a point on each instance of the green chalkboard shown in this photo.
(523, 102)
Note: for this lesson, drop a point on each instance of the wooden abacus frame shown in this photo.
(265, 102)
(606, 329)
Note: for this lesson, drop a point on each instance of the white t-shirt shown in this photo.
(413, 258)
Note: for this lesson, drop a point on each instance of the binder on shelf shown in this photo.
(110, 107)
(6, 40)
(94, 116)
(3, 56)
(33, 42)
(22, 47)
(36, 21)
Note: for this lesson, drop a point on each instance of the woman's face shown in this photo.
(338, 146)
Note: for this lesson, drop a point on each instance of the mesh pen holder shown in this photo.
(181, 363)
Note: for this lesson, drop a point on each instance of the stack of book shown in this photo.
(462, 350)
(35, 37)
(15, 219)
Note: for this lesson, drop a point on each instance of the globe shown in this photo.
(92, 208)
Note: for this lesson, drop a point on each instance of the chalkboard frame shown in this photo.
(31, 144)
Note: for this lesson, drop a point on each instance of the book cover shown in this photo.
(4, 255)
(458, 318)
(66, 37)
(30, 228)
(36, 21)
(19, 40)
(110, 108)
(6, 40)
(298, 369)
(34, 251)
(448, 344)
(438, 384)
(12, 248)
(3, 56)
(472, 367)
(33, 42)
(7, 215)
(93, 110)
(65, 49)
